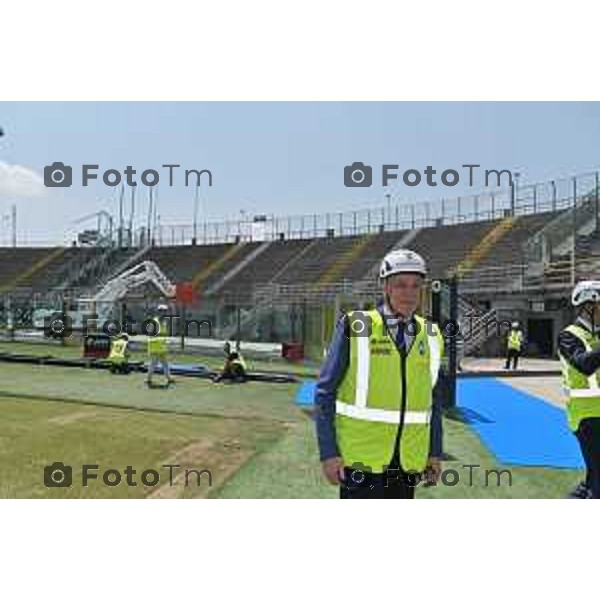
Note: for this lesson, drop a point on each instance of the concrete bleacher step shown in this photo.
(404, 242)
(215, 287)
(201, 276)
(293, 262)
(258, 273)
(337, 269)
(28, 274)
(485, 246)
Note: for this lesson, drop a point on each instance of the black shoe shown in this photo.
(581, 492)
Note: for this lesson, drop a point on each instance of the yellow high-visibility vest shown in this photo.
(583, 390)
(380, 390)
(157, 344)
(117, 351)
(239, 361)
(515, 339)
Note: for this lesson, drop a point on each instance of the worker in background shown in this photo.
(514, 346)
(234, 369)
(377, 422)
(579, 352)
(157, 346)
(119, 355)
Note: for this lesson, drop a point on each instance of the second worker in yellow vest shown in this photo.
(514, 345)
(579, 352)
(157, 346)
(119, 355)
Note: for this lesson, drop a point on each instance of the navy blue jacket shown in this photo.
(573, 351)
(331, 375)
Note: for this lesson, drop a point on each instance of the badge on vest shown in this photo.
(422, 348)
(381, 346)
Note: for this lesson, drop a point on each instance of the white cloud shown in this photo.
(17, 181)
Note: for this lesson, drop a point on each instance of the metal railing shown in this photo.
(395, 215)
(583, 211)
(400, 217)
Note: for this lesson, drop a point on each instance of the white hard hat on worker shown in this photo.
(586, 299)
(402, 261)
(402, 273)
(586, 291)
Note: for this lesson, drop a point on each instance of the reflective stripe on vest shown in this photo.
(435, 357)
(591, 393)
(369, 400)
(583, 390)
(381, 415)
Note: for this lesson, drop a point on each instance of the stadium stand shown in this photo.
(506, 261)
(306, 261)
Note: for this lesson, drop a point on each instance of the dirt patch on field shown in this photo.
(221, 458)
(546, 388)
(74, 417)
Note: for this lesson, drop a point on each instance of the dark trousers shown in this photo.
(376, 485)
(514, 355)
(588, 435)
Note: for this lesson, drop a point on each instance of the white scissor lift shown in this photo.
(103, 302)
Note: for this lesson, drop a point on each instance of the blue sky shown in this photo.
(282, 158)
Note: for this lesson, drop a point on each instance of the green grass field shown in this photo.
(252, 438)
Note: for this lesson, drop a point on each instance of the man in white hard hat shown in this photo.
(579, 351)
(377, 423)
(157, 346)
(514, 345)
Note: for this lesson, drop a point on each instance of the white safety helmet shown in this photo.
(585, 291)
(162, 307)
(402, 261)
(515, 325)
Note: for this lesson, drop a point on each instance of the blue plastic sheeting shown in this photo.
(306, 394)
(182, 368)
(518, 428)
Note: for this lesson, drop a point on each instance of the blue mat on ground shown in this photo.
(518, 428)
(183, 368)
(305, 396)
